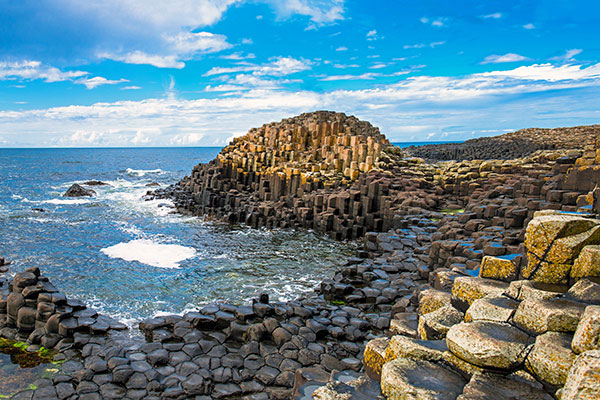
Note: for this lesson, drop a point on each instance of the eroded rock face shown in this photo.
(491, 386)
(551, 357)
(587, 335)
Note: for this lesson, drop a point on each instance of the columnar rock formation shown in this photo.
(476, 279)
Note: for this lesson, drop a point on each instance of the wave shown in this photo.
(150, 253)
(66, 201)
(142, 172)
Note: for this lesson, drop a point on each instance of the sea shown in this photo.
(134, 259)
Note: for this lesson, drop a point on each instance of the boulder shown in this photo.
(489, 344)
(405, 347)
(553, 242)
(435, 325)
(583, 381)
(524, 289)
(78, 191)
(498, 309)
(405, 324)
(467, 289)
(417, 379)
(432, 299)
(557, 315)
(587, 335)
(501, 268)
(374, 356)
(551, 357)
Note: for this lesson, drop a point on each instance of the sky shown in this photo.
(200, 72)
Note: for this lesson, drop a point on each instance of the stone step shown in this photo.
(493, 386)
(418, 379)
(486, 344)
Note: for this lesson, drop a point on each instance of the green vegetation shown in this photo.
(452, 211)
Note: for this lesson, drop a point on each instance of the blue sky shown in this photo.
(198, 72)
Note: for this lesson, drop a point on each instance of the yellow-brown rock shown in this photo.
(467, 289)
(583, 381)
(587, 264)
(374, 356)
(498, 268)
(431, 299)
(551, 357)
(587, 335)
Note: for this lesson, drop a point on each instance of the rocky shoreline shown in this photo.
(476, 279)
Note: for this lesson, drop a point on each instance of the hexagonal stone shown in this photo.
(432, 299)
(405, 347)
(557, 315)
(488, 344)
(551, 357)
(498, 309)
(467, 289)
(587, 335)
(493, 386)
(501, 268)
(435, 325)
(583, 381)
(417, 379)
(374, 357)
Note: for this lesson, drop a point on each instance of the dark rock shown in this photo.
(78, 191)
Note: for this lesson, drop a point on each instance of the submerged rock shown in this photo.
(78, 191)
(96, 183)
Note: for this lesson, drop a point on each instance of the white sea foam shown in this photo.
(142, 172)
(66, 201)
(151, 253)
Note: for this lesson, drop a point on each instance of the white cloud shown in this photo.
(177, 48)
(496, 15)
(568, 56)
(279, 66)
(341, 48)
(444, 105)
(437, 22)
(505, 58)
(422, 45)
(372, 33)
(238, 56)
(247, 41)
(33, 70)
(187, 140)
(365, 76)
(320, 11)
(92, 83)
(550, 73)
(344, 66)
(379, 65)
(131, 88)
(529, 26)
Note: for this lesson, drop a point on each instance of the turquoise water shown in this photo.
(134, 259)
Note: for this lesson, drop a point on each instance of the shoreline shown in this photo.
(450, 234)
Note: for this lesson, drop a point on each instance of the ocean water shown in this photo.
(134, 259)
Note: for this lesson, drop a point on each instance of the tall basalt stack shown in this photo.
(323, 171)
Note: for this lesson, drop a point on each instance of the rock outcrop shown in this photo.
(77, 190)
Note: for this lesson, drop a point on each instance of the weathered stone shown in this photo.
(405, 347)
(404, 324)
(435, 325)
(587, 335)
(493, 386)
(587, 264)
(374, 356)
(467, 289)
(431, 299)
(551, 357)
(583, 381)
(78, 191)
(404, 378)
(585, 291)
(557, 315)
(524, 289)
(488, 344)
(500, 268)
(498, 309)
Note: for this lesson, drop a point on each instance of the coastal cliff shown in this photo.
(477, 278)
